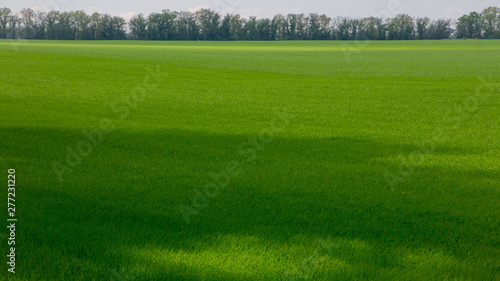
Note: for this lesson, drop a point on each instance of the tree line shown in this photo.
(206, 24)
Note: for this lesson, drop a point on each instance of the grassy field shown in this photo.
(252, 160)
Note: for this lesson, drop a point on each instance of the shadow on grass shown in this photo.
(120, 209)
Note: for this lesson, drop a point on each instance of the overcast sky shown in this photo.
(265, 8)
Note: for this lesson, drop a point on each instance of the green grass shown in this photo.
(353, 111)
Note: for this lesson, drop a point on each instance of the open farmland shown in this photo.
(252, 160)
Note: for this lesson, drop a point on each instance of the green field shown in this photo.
(288, 160)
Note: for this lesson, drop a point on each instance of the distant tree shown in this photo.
(355, 29)
(39, 26)
(5, 14)
(13, 27)
(373, 28)
(155, 27)
(301, 29)
(292, 26)
(225, 28)
(264, 29)
(95, 26)
(440, 29)
(470, 26)
(342, 27)
(401, 28)
(280, 27)
(209, 22)
(251, 29)
(27, 17)
(422, 26)
(79, 22)
(187, 28)
(138, 27)
(491, 22)
(325, 27)
(291, 20)
(106, 28)
(382, 29)
(64, 31)
(162, 26)
(51, 25)
(169, 20)
(319, 27)
(236, 27)
(314, 32)
(118, 29)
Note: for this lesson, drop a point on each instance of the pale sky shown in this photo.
(265, 8)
